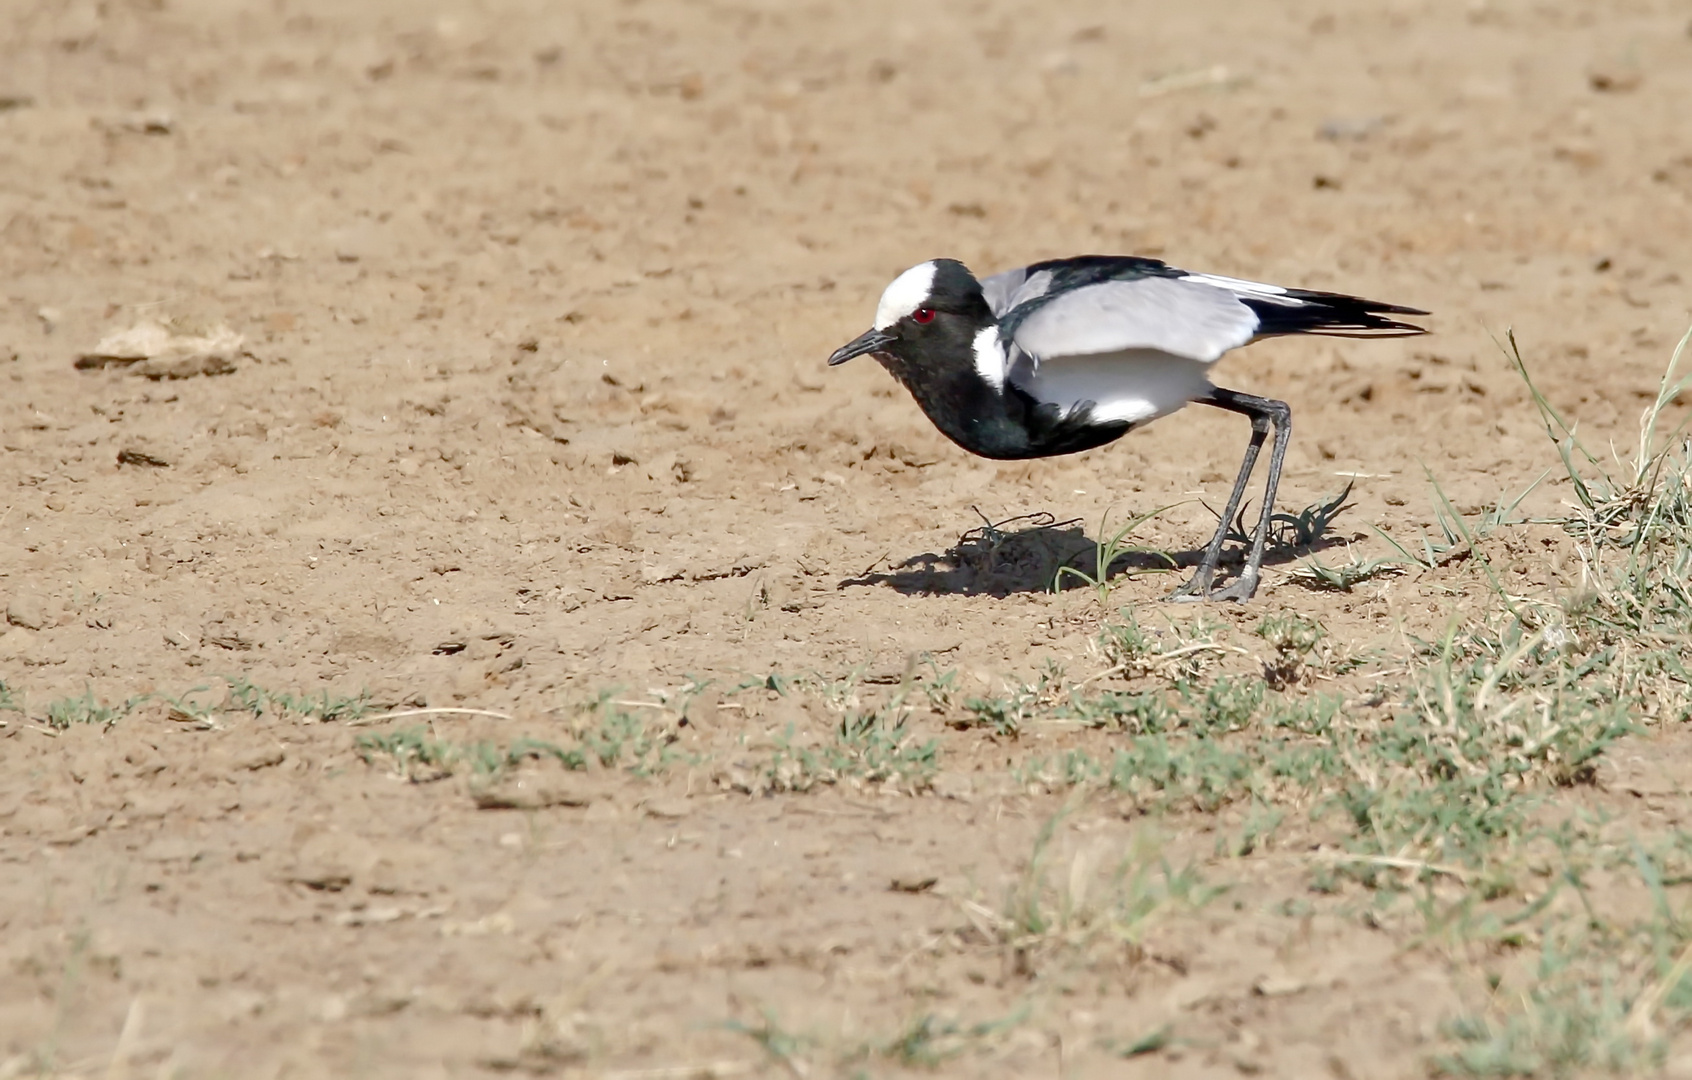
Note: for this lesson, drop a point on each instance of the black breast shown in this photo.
(1008, 424)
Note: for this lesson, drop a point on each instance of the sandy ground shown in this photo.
(529, 405)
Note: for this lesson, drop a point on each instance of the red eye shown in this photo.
(923, 315)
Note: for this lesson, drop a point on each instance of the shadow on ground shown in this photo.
(1027, 554)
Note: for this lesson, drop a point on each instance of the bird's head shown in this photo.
(929, 315)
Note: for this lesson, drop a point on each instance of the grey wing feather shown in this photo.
(1183, 318)
(1005, 291)
(998, 289)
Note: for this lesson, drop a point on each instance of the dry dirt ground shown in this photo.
(528, 418)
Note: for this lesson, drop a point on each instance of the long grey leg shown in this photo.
(1265, 413)
(1198, 586)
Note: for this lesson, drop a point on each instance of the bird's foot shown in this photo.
(1239, 590)
(1198, 588)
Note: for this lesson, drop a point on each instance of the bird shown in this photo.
(1069, 354)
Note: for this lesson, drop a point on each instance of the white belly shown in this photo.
(1136, 386)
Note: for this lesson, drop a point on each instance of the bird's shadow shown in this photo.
(1029, 553)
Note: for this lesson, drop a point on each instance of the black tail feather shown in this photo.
(1303, 311)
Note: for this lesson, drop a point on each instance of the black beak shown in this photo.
(867, 342)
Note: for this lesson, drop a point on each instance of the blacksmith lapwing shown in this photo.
(1066, 355)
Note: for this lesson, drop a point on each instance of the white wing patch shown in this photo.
(1134, 386)
(990, 359)
(1181, 317)
(909, 291)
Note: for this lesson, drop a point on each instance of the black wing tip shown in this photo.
(1332, 315)
(1404, 328)
(1394, 309)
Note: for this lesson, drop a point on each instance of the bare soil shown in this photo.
(529, 406)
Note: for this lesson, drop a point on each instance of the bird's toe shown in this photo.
(1239, 590)
(1196, 588)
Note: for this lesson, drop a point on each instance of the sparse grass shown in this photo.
(866, 744)
(414, 753)
(1128, 648)
(241, 696)
(929, 1040)
(939, 687)
(420, 757)
(191, 706)
(322, 707)
(185, 707)
(786, 1048)
(1602, 994)
(1296, 532)
(635, 737)
(1169, 773)
(1096, 907)
(62, 713)
(1181, 652)
(1109, 550)
(1484, 730)
(1583, 666)
(1006, 715)
(86, 709)
(1562, 1024)
(1149, 1043)
(1314, 573)
(605, 734)
(926, 1040)
(1459, 535)
(1293, 638)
